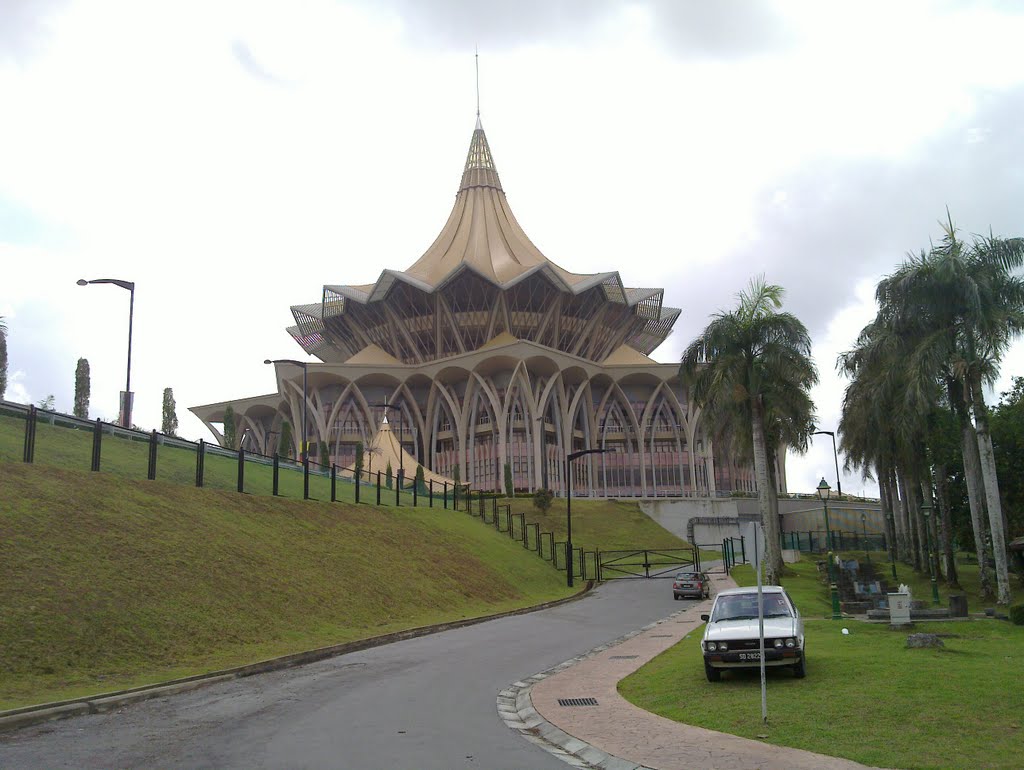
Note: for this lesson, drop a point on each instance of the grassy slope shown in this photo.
(107, 582)
(866, 697)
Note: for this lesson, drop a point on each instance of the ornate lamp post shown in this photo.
(823, 492)
(926, 511)
(126, 406)
(568, 506)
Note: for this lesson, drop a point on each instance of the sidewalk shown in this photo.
(615, 734)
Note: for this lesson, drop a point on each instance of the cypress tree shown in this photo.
(81, 407)
(169, 425)
(230, 428)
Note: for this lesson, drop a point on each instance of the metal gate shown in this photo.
(646, 563)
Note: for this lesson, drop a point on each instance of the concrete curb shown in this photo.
(25, 716)
(516, 709)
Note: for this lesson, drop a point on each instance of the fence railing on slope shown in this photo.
(74, 442)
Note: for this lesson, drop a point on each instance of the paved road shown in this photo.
(420, 704)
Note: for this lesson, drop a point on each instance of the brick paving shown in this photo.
(617, 734)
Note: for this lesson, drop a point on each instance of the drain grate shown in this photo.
(577, 701)
(623, 657)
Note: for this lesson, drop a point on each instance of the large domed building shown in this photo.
(490, 355)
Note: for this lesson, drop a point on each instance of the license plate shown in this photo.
(750, 656)
(687, 585)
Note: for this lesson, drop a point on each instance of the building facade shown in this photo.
(490, 355)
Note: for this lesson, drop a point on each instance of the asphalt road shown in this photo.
(420, 704)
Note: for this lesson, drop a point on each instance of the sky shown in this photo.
(232, 157)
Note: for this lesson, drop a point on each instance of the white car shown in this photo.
(731, 635)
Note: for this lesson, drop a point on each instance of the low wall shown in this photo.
(708, 520)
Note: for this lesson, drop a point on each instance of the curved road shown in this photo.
(419, 704)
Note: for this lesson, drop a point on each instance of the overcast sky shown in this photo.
(233, 157)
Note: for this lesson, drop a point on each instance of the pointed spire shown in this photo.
(480, 170)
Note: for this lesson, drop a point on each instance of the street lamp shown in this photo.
(926, 511)
(892, 541)
(126, 404)
(823, 492)
(303, 364)
(835, 454)
(568, 506)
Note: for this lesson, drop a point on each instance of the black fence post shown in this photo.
(151, 470)
(200, 462)
(241, 469)
(276, 473)
(414, 493)
(28, 455)
(378, 487)
(446, 495)
(743, 548)
(398, 489)
(97, 441)
(305, 477)
(481, 501)
(430, 491)
(334, 482)
(356, 474)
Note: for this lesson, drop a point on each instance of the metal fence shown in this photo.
(815, 541)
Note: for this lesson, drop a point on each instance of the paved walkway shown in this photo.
(615, 734)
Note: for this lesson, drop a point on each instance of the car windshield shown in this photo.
(686, 576)
(744, 607)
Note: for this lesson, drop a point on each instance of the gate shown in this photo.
(646, 563)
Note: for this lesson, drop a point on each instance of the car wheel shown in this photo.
(712, 673)
(800, 669)
(675, 596)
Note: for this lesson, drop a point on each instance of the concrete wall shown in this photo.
(707, 521)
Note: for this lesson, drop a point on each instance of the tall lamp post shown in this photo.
(126, 406)
(835, 455)
(303, 365)
(823, 492)
(926, 511)
(568, 506)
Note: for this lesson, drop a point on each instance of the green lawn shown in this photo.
(866, 696)
(108, 583)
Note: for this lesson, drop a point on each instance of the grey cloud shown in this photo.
(245, 57)
(24, 26)
(720, 28)
(844, 222)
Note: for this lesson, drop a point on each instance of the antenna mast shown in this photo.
(477, 57)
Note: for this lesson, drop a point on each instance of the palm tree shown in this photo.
(756, 361)
(962, 306)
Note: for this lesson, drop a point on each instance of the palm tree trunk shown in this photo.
(942, 498)
(899, 539)
(769, 522)
(991, 482)
(917, 515)
(972, 476)
(910, 554)
(886, 502)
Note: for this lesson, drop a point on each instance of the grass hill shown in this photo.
(108, 582)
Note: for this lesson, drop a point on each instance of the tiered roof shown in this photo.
(482, 276)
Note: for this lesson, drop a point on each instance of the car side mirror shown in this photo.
(705, 618)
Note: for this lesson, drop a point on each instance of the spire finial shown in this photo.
(477, 57)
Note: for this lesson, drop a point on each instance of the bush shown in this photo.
(1017, 614)
(509, 491)
(542, 499)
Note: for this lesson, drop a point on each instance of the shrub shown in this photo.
(509, 491)
(542, 499)
(389, 476)
(1017, 614)
(421, 482)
